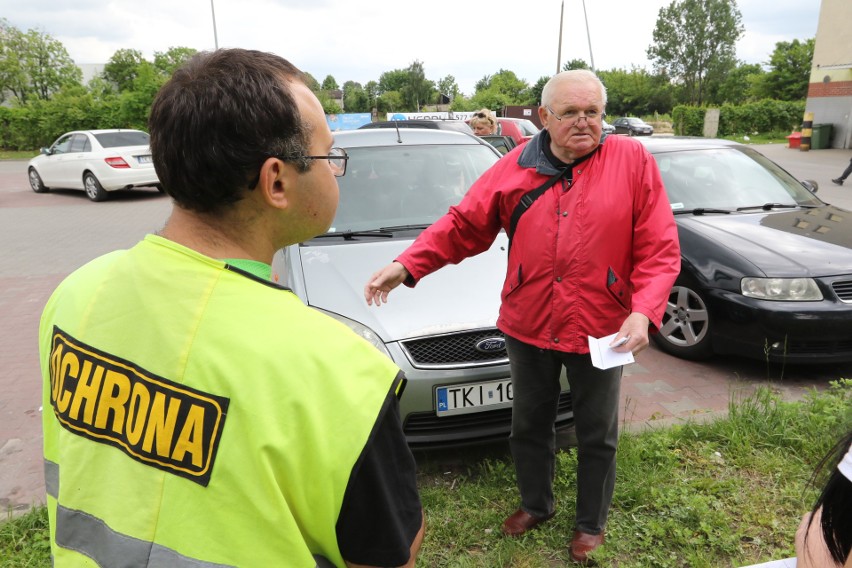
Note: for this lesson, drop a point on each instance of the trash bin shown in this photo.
(821, 136)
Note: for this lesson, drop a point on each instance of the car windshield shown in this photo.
(636, 121)
(406, 185)
(527, 127)
(124, 138)
(727, 179)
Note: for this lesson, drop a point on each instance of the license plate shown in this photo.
(144, 159)
(473, 397)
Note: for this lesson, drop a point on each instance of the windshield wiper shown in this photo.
(419, 226)
(349, 235)
(699, 211)
(770, 206)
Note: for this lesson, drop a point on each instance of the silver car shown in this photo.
(442, 334)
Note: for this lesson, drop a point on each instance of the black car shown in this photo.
(766, 265)
(632, 126)
(457, 125)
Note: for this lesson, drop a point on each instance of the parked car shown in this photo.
(766, 265)
(607, 127)
(520, 129)
(96, 161)
(632, 126)
(504, 144)
(457, 125)
(441, 334)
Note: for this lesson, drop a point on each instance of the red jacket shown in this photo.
(613, 221)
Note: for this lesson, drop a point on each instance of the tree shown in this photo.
(33, 64)
(694, 38)
(499, 90)
(123, 67)
(575, 64)
(635, 92)
(394, 80)
(311, 82)
(329, 84)
(166, 62)
(418, 90)
(789, 73)
(740, 85)
(448, 87)
(355, 98)
(534, 97)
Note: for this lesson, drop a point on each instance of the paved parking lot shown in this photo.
(44, 237)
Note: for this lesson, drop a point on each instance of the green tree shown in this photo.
(693, 39)
(575, 64)
(12, 48)
(33, 65)
(390, 101)
(311, 82)
(123, 68)
(329, 84)
(395, 80)
(789, 73)
(448, 87)
(371, 89)
(166, 62)
(534, 96)
(635, 92)
(738, 86)
(418, 90)
(355, 98)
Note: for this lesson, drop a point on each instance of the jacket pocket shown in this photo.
(617, 288)
(514, 279)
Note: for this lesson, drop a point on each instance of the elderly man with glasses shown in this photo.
(594, 252)
(197, 413)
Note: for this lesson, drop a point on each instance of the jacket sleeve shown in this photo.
(656, 249)
(466, 230)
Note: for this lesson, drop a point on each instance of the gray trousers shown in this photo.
(596, 396)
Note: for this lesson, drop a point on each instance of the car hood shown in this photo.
(457, 297)
(801, 242)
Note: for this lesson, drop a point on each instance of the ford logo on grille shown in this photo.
(491, 344)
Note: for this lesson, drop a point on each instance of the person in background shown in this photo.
(196, 413)
(483, 122)
(824, 537)
(844, 175)
(595, 254)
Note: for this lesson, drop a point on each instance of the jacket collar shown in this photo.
(533, 155)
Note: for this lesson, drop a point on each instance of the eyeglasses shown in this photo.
(572, 117)
(479, 114)
(337, 159)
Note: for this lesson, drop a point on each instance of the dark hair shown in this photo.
(215, 122)
(836, 502)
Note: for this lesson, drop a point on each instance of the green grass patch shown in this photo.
(18, 154)
(726, 493)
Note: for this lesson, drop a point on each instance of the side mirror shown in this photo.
(45, 151)
(810, 185)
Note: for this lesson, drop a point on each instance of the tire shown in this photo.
(685, 330)
(93, 187)
(35, 181)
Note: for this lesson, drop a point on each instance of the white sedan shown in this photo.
(96, 161)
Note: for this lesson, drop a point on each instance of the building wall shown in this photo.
(830, 88)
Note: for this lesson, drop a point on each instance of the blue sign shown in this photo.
(350, 121)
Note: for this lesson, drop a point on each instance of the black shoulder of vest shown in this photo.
(256, 278)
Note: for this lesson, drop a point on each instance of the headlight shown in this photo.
(782, 289)
(362, 330)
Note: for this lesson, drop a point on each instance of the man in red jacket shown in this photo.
(595, 253)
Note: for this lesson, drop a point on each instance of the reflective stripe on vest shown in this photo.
(51, 479)
(89, 535)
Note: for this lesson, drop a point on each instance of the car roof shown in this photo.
(661, 144)
(405, 137)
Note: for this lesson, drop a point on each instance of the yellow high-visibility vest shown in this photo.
(196, 416)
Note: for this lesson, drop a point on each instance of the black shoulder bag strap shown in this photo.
(528, 199)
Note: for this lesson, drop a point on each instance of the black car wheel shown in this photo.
(35, 182)
(93, 187)
(685, 331)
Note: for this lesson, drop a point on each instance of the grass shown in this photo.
(726, 493)
(17, 154)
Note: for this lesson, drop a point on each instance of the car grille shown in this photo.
(454, 350)
(805, 347)
(423, 427)
(843, 289)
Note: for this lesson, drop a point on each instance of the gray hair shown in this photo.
(573, 76)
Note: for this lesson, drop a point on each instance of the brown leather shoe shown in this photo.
(583, 543)
(520, 522)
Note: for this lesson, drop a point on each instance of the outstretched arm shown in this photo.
(382, 282)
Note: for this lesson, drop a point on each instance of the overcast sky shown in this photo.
(359, 40)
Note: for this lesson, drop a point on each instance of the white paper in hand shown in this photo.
(603, 357)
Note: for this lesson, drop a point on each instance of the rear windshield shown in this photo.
(124, 138)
